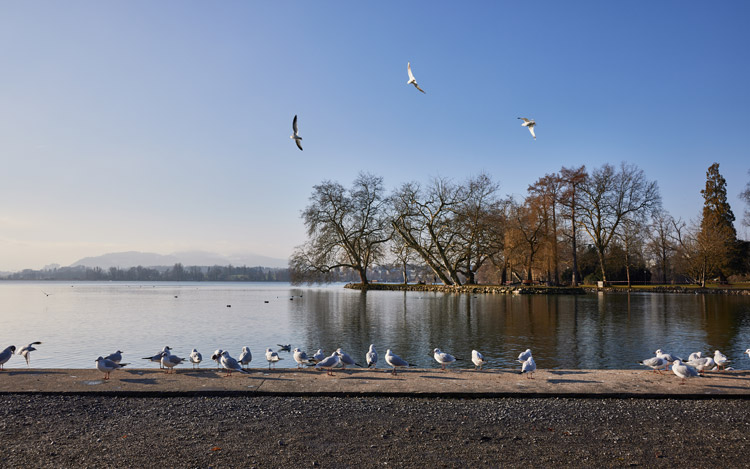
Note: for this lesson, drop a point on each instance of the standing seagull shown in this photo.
(346, 359)
(245, 357)
(683, 370)
(230, 364)
(295, 136)
(27, 350)
(272, 357)
(216, 356)
(195, 357)
(6, 354)
(395, 361)
(115, 357)
(319, 355)
(529, 366)
(443, 358)
(300, 357)
(107, 366)
(721, 360)
(478, 359)
(157, 358)
(170, 361)
(329, 362)
(412, 80)
(372, 356)
(530, 124)
(655, 363)
(523, 356)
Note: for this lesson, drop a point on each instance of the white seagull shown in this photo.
(395, 361)
(27, 350)
(195, 357)
(529, 366)
(216, 356)
(372, 356)
(720, 359)
(478, 359)
(295, 136)
(319, 355)
(107, 366)
(300, 357)
(115, 357)
(667, 356)
(245, 357)
(443, 358)
(157, 358)
(530, 124)
(230, 364)
(748, 352)
(683, 371)
(702, 364)
(6, 354)
(655, 363)
(694, 356)
(272, 357)
(412, 80)
(523, 356)
(170, 361)
(346, 359)
(330, 363)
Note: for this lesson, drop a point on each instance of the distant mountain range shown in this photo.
(125, 260)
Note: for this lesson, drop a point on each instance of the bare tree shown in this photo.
(661, 243)
(345, 228)
(607, 197)
(547, 192)
(571, 179)
(528, 228)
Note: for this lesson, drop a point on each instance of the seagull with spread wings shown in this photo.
(295, 136)
(412, 80)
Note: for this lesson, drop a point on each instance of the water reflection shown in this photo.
(82, 321)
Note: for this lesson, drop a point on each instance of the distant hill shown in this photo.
(125, 260)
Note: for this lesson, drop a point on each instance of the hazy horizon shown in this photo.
(164, 126)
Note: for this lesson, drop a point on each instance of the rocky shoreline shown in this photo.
(541, 290)
(269, 432)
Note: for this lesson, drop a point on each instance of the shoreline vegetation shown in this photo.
(741, 289)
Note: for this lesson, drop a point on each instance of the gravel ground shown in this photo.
(295, 432)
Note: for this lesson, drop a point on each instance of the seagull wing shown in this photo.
(299, 144)
(417, 87)
(531, 129)
(294, 124)
(408, 69)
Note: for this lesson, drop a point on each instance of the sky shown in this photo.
(164, 126)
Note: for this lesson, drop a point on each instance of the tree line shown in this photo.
(176, 273)
(574, 225)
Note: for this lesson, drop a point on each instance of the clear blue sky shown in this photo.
(164, 126)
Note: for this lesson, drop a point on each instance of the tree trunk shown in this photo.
(601, 265)
(574, 279)
(627, 263)
(363, 276)
(406, 274)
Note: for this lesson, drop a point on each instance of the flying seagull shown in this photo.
(412, 80)
(530, 124)
(27, 350)
(295, 136)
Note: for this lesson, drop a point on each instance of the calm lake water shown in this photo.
(80, 321)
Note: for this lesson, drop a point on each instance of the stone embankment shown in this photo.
(542, 290)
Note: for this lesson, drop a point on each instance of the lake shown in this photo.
(77, 322)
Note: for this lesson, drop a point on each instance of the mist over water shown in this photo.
(78, 322)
